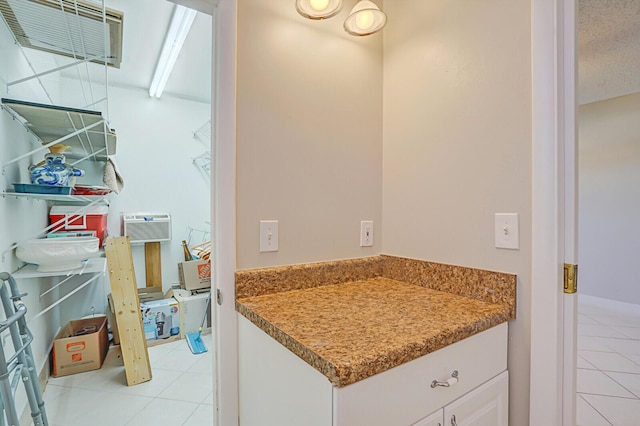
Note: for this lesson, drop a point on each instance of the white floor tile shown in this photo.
(630, 381)
(156, 353)
(109, 379)
(598, 383)
(586, 320)
(620, 320)
(586, 415)
(163, 412)
(54, 392)
(607, 361)
(634, 358)
(630, 332)
(584, 364)
(177, 360)
(203, 416)
(74, 380)
(598, 330)
(623, 346)
(610, 341)
(161, 380)
(203, 365)
(190, 387)
(590, 343)
(208, 399)
(85, 406)
(618, 411)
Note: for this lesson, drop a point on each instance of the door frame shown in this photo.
(552, 380)
(224, 212)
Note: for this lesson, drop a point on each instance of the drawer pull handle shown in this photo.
(453, 421)
(450, 382)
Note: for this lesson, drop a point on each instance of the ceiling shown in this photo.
(608, 49)
(145, 25)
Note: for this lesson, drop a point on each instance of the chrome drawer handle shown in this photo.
(450, 382)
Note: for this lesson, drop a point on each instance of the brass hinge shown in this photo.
(570, 278)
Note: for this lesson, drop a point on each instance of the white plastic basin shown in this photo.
(58, 254)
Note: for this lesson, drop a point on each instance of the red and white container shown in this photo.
(78, 218)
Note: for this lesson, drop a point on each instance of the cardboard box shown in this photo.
(93, 219)
(145, 294)
(160, 318)
(192, 309)
(80, 346)
(194, 274)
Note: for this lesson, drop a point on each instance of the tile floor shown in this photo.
(608, 366)
(180, 393)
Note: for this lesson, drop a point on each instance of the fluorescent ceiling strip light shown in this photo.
(178, 29)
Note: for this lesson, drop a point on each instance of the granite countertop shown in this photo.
(352, 330)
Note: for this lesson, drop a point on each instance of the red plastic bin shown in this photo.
(88, 219)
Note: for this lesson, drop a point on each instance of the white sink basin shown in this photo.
(58, 254)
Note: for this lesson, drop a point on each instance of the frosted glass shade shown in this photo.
(365, 18)
(318, 9)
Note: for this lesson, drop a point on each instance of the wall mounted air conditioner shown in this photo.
(75, 28)
(146, 227)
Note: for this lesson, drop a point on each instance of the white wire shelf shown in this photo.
(55, 197)
(91, 266)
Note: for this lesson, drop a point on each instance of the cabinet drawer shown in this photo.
(404, 395)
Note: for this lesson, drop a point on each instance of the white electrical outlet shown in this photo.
(268, 235)
(366, 233)
(507, 234)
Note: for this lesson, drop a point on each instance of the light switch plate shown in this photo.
(268, 235)
(366, 233)
(507, 233)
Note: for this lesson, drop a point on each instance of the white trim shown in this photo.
(546, 307)
(224, 129)
(569, 201)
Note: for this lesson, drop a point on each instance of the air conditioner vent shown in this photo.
(72, 28)
(146, 228)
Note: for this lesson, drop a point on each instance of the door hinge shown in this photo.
(570, 278)
(219, 297)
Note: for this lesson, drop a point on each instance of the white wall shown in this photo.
(155, 155)
(609, 197)
(457, 145)
(309, 135)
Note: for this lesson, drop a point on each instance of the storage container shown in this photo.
(77, 218)
(80, 346)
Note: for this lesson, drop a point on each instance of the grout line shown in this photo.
(595, 409)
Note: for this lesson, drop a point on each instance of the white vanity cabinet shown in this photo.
(435, 419)
(278, 388)
(487, 405)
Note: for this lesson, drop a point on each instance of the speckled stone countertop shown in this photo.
(351, 330)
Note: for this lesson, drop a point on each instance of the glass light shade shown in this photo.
(318, 9)
(365, 18)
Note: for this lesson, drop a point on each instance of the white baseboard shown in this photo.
(615, 305)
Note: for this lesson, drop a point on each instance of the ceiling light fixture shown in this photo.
(365, 18)
(178, 29)
(318, 9)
